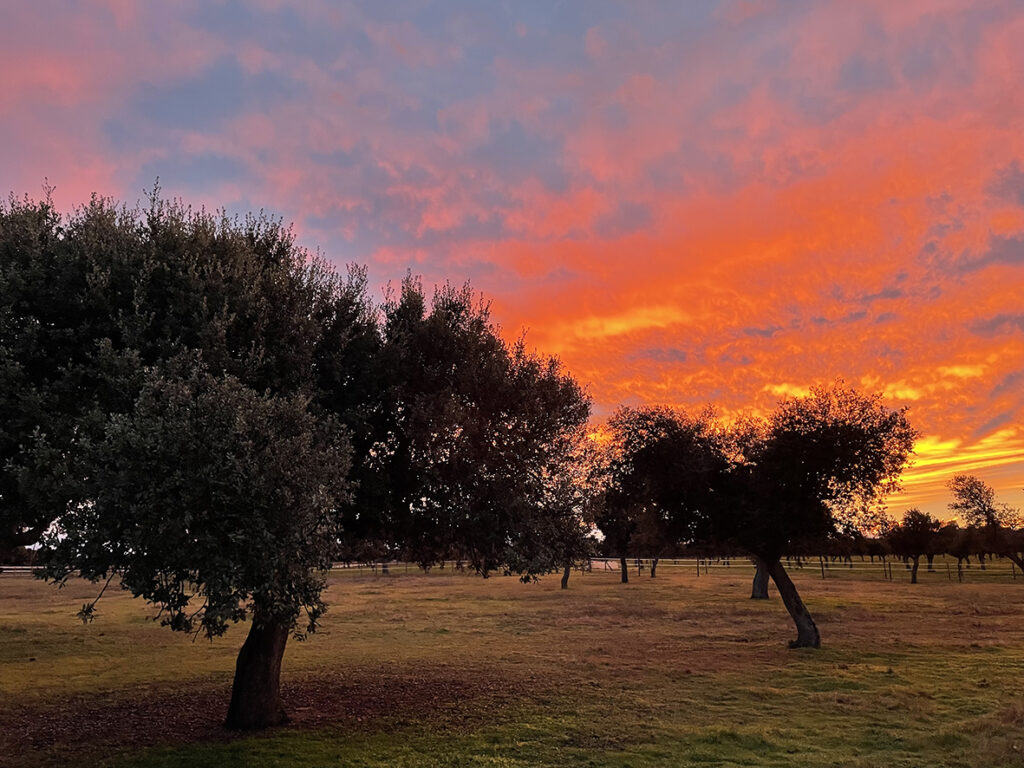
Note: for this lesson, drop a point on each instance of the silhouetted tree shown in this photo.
(475, 438)
(996, 526)
(568, 499)
(656, 476)
(805, 473)
(915, 535)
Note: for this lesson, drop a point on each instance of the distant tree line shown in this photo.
(991, 530)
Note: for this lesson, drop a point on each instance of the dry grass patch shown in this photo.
(449, 669)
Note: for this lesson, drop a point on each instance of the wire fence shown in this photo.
(943, 568)
(877, 569)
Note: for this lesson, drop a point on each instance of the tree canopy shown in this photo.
(200, 409)
(975, 501)
(915, 535)
(815, 467)
(475, 433)
(655, 479)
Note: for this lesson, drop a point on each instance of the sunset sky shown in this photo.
(688, 202)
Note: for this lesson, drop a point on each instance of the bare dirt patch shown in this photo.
(86, 726)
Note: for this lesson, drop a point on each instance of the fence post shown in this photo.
(698, 567)
(949, 575)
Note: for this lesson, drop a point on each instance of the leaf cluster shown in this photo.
(199, 408)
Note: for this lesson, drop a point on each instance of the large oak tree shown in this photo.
(203, 412)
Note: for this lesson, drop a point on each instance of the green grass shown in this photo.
(453, 670)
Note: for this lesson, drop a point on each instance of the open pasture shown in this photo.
(453, 670)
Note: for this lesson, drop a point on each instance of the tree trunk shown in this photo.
(625, 569)
(913, 570)
(807, 635)
(1014, 557)
(759, 591)
(256, 693)
(654, 566)
(931, 563)
(565, 575)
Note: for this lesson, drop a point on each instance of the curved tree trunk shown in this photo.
(807, 635)
(654, 566)
(565, 575)
(913, 570)
(256, 692)
(625, 569)
(759, 591)
(1016, 559)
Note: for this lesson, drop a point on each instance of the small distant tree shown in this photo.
(975, 501)
(656, 477)
(914, 536)
(960, 542)
(567, 500)
(997, 525)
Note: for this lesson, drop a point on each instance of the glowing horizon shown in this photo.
(722, 203)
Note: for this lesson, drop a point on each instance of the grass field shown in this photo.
(453, 670)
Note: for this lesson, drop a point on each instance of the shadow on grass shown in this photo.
(72, 730)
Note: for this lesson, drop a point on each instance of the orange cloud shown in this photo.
(688, 207)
